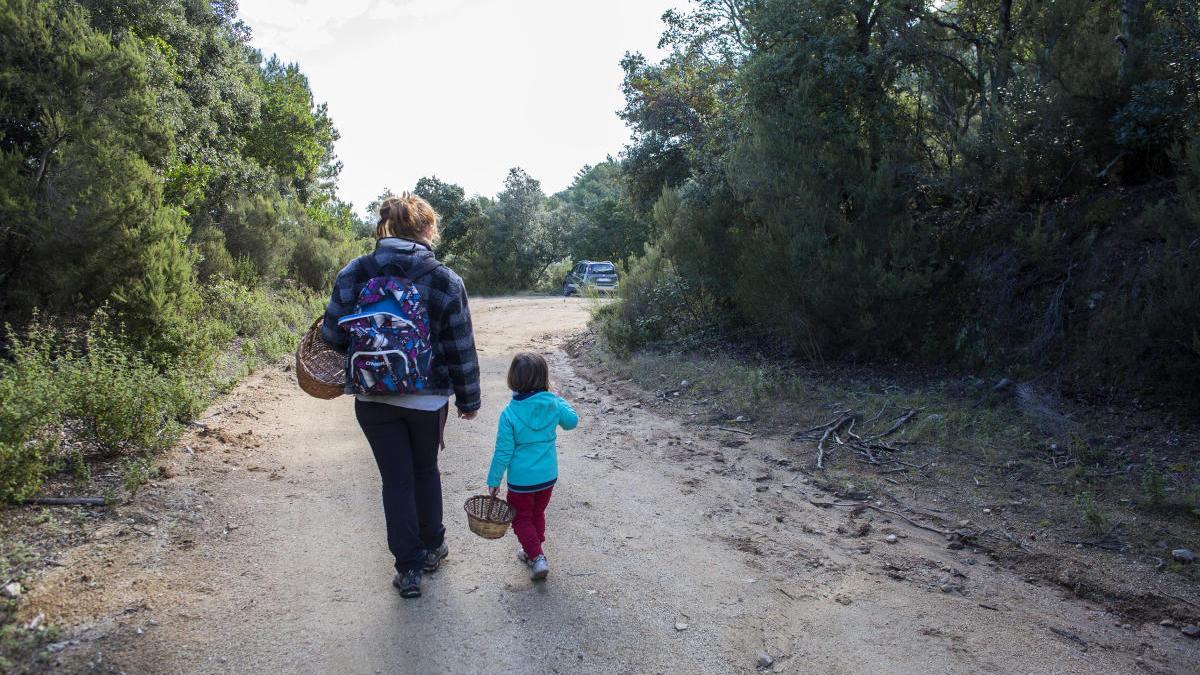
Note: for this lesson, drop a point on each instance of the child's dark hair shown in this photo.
(528, 373)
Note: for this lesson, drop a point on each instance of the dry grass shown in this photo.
(1115, 481)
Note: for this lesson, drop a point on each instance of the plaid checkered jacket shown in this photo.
(455, 365)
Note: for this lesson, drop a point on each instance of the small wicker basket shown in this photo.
(488, 517)
(320, 369)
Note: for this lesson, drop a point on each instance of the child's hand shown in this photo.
(493, 490)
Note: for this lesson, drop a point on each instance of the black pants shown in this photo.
(405, 443)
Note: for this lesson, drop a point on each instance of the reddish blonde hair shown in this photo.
(408, 217)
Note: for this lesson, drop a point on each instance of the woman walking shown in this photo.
(403, 394)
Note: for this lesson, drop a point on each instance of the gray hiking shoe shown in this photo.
(540, 567)
(409, 583)
(434, 557)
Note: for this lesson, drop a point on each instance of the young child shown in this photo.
(525, 449)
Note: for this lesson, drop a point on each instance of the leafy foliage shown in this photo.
(146, 147)
(153, 166)
(999, 183)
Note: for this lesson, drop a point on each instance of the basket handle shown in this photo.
(493, 508)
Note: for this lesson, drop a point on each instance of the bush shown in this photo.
(115, 400)
(320, 252)
(29, 404)
(314, 262)
(552, 279)
(214, 260)
(95, 386)
(260, 229)
(263, 324)
(655, 304)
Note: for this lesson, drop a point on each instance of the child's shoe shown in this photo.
(541, 567)
(523, 557)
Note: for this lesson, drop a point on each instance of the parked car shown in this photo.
(591, 274)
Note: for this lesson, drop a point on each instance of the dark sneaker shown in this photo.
(434, 557)
(409, 583)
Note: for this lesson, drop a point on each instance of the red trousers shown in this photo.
(530, 522)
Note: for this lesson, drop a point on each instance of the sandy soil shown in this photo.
(675, 548)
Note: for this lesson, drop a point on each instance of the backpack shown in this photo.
(390, 350)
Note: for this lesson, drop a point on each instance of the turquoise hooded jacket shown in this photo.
(525, 440)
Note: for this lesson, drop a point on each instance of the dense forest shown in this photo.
(1009, 186)
(1004, 185)
(167, 212)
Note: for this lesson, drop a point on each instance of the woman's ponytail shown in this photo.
(408, 217)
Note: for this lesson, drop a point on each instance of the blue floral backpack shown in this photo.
(390, 351)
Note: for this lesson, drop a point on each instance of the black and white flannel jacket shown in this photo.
(455, 365)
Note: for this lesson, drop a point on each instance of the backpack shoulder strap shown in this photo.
(370, 266)
(413, 272)
(423, 267)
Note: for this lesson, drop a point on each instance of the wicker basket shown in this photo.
(488, 517)
(320, 369)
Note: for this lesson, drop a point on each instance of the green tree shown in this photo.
(295, 136)
(877, 180)
(80, 137)
(602, 224)
(455, 210)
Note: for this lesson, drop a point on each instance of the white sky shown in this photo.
(462, 89)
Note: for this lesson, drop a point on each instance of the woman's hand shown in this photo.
(493, 490)
(467, 415)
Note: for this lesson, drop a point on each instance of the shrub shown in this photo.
(314, 262)
(116, 400)
(655, 304)
(29, 402)
(551, 280)
(1096, 518)
(135, 472)
(264, 324)
(258, 229)
(214, 260)
(96, 387)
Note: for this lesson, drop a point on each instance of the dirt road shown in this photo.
(674, 548)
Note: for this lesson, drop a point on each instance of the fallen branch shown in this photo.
(880, 445)
(896, 426)
(1100, 544)
(839, 417)
(737, 431)
(1015, 542)
(877, 415)
(910, 521)
(825, 436)
(65, 501)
